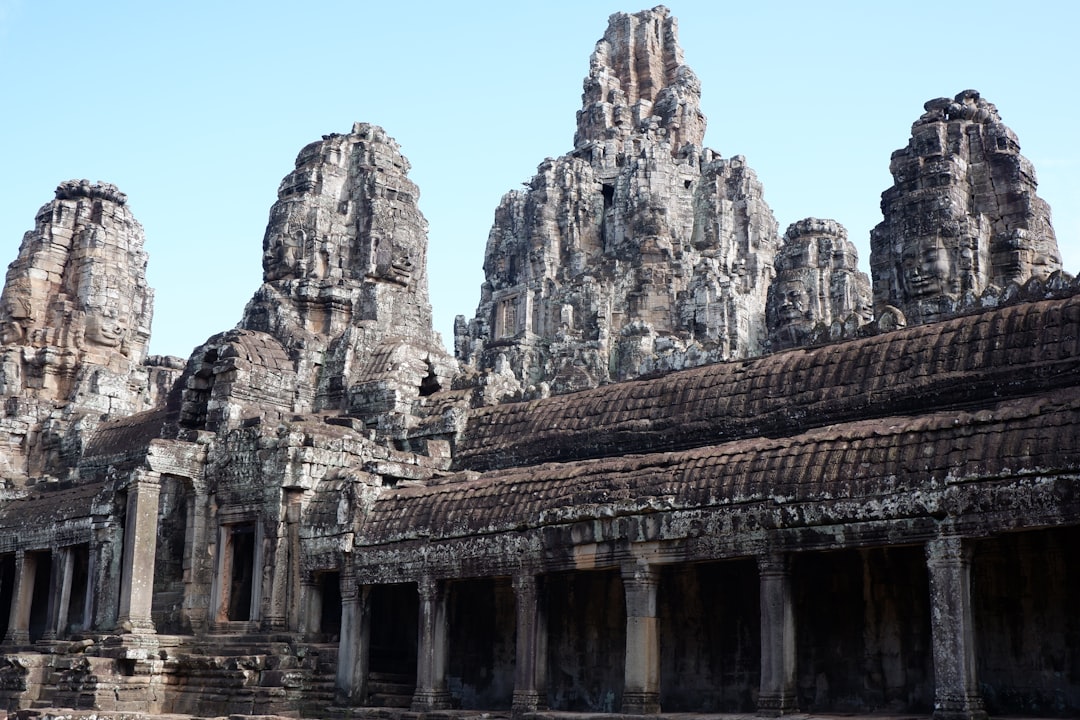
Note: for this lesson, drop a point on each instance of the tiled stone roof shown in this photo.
(964, 362)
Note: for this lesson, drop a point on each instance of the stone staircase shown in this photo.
(389, 690)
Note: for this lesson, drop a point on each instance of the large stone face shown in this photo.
(74, 325)
(345, 279)
(638, 252)
(77, 292)
(962, 215)
(817, 283)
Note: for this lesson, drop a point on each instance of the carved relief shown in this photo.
(962, 217)
(817, 283)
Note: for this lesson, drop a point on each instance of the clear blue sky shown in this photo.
(197, 109)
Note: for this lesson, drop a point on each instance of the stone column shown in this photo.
(956, 695)
(354, 640)
(777, 692)
(310, 620)
(22, 595)
(432, 649)
(140, 546)
(530, 660)
(641, 678)
(294, 597)
(276, 610)
(59, 593)
(106, 553)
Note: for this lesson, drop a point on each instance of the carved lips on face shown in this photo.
(926, 268)
(105, 327)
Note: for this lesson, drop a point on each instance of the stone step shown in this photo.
(391, 690)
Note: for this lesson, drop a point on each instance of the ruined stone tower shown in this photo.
(818, 283)
(343, 309)
(322, 519)
(640, 250)
(962, 216)
(75, 316)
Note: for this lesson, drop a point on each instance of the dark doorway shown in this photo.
(862, 623)
(710, 637)
(39, 603)
(330, 605)
(482, 625)
(395, 613)
(7, 583)
(586, 641)
(242, 571)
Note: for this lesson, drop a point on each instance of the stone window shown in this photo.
(508, 318)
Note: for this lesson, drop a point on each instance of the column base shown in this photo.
(428, 700)
(776, 705)
(640, 703)
(136, 626)
(17, 637)
(527, 702)
(959, 708)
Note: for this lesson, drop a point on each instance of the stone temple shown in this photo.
(679, 462)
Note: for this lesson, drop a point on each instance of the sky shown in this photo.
(197, 110)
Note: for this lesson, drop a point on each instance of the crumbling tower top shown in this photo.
(638, 84)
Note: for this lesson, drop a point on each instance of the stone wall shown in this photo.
(751, 491)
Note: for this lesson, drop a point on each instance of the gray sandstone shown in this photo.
(678, 466)
(638, 252)
(962, 217)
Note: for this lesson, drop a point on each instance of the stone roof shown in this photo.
(897, 466)
(964, 362)
(48, 504)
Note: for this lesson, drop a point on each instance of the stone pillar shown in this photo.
(294, 596)
(956, 695)
(310, 621)
(641, 679)
(432, 649)
(140, 546)
(777, 692)
(530, 660)
(22, 595)
(354, 640)
(281, 614)
(106, 554)
(59, 593)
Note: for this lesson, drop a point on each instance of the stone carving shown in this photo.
(817, 284)
(320, 520)
(345, 280)
(75, 319)
(961, 216)
(638, 252)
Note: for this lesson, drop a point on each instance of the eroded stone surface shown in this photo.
(817, 283)
(962, 215)
(74, 325)
(345, 281)
(638, 252)
(316, 522)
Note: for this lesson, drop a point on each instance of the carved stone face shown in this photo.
(11, 333)
(105, 326)
(926, 268)
(794, 301)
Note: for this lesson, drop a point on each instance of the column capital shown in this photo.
(640, 574)
(429, 587)
(525, 583)
(951, 549)
(774, 563)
